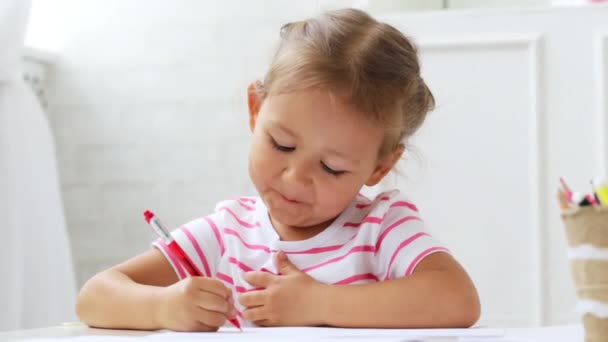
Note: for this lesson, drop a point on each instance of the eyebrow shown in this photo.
(278, 125)
(342, 155)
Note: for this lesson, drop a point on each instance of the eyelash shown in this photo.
(331, 171)
(286, 149)
(281, 148)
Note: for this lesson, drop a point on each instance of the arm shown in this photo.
(144, 293)
(439, 294)
(126, 296)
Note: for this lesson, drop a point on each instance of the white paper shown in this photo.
(293, 334)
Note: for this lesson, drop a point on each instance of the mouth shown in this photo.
(289, 200)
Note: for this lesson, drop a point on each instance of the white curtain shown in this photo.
(37, 286)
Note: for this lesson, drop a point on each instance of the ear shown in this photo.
(254, 101)
(385, 165)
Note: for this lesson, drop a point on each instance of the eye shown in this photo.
(280, 147)
(332, 171)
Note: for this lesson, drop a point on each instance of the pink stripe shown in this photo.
(245, 267)
(241, 222)
(364, 248)
(247, 207)
(410, 268)
(367, 219)
(365, 205)
(315, 250)
(242, 289)
(242, 266)
(404, 204)
(375, 219)
(248, 245)
(318, 250)
(357, 278)
(362, 195)
(199, 251)
(247, 199)
(180, 271)
(216, 232)
(392, 226)
(224, 277)
(402, 245)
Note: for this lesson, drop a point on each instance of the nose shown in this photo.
(298, 173)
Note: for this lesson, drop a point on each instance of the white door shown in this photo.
(521, 101)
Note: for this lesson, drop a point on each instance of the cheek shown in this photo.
(260, 160)
(336, 197)
(255, 161)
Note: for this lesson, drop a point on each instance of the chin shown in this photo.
(288, 219)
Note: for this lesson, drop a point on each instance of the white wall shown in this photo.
(147, 102)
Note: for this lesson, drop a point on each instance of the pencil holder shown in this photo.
(587, 235)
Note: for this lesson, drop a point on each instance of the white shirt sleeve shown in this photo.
(403, 240)
(201, 241)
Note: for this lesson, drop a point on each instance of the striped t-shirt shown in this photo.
(372, 240)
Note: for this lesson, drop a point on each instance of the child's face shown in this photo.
(310, 155)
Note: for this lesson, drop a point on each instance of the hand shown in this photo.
(195, 304)
(292, 298)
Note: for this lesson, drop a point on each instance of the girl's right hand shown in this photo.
(195, 304)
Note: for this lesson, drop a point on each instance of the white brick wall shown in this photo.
(147, 102)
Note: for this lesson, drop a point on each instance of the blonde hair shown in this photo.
(373, 64)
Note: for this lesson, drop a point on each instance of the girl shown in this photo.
(334, 112)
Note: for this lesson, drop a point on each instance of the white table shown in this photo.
(77, 333)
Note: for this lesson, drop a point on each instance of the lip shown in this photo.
(289, 200)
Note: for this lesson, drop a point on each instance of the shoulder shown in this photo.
(243, 210)
(384, 212)
(238, 204)
(396, 214)
(231, 214)
(393, 201)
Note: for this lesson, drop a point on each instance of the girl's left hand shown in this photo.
(292, 298)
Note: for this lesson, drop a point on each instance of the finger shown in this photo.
(197, 326)
(192, 321)
(263, 323)
(285, 266)
(194, 326)
(258, 313)
(210, 318)
(253, 298)
(261, 279)
(213, 302)
(212, 285)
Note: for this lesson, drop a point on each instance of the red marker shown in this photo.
(176, 250)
